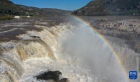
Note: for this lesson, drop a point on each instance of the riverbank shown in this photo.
(8, 17)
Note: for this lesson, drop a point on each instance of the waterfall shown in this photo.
(76, 51)
(33, 49)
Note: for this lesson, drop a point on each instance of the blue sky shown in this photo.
(59, 4)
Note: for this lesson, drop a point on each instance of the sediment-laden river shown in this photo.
(30, 47)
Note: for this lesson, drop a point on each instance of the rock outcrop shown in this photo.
(52, 75)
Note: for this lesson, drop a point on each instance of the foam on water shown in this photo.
(79, 54)
(19, 24)
(9, 30)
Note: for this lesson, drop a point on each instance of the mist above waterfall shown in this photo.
(93, 52)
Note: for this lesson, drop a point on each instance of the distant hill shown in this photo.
(45, 11)
(110, 7)
(9, 8)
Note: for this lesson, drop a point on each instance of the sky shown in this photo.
(59, 4)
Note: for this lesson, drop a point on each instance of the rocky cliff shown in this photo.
(110, 7)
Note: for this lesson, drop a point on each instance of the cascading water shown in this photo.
(76, 51)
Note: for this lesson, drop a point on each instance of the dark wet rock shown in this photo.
(64, 80)
(37, 37)
(50, 75)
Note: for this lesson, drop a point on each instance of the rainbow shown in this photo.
(107, 43)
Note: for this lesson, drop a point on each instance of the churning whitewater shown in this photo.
(76, 51)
